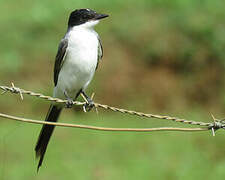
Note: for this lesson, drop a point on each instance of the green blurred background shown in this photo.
(160, 56)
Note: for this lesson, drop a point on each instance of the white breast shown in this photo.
(80, 62)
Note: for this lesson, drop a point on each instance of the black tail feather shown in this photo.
(46, 132)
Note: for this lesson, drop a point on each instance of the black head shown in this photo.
(81, 16)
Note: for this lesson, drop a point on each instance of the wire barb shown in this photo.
(217, 124)
(16, 90)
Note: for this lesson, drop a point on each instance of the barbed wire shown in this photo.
(215, 125)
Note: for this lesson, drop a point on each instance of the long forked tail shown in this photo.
(46, 132)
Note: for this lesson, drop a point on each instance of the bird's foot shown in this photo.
(89, 102)
(69, 102)
(88, 105)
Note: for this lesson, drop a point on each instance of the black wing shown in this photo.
(100, 51)
(59, 59)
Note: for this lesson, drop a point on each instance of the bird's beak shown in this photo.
(100, 16)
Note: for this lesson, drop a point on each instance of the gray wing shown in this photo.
(59, 59)
(100, 51)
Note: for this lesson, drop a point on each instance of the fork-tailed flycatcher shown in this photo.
(77, 58)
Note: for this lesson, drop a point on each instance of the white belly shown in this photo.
(79, 63)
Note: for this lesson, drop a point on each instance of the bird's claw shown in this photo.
(69, 103)
(88, 105)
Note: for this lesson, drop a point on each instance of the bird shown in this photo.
(76, 61)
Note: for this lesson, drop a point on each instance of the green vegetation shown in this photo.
(83, 154)
(163, 57)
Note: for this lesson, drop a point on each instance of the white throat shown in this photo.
(88, 25)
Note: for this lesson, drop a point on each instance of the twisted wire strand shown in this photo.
(217, 124)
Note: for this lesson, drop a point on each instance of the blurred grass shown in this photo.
(162, 57)
(83, 154)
